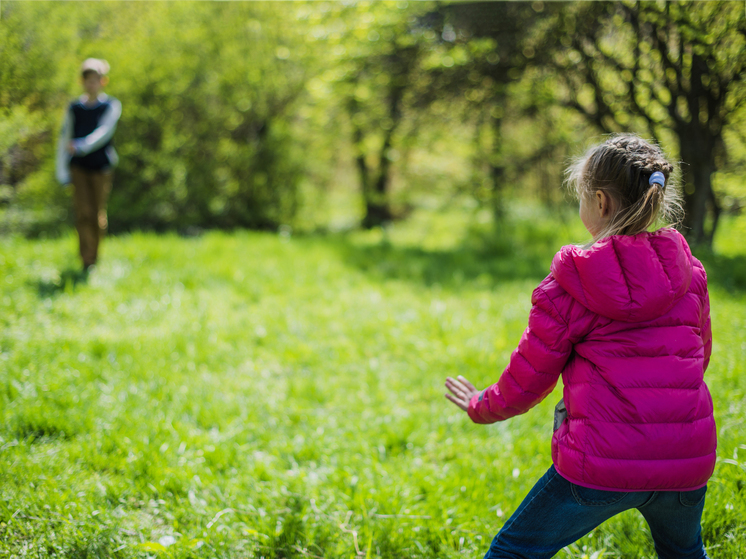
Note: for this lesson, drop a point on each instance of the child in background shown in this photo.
(626, 322)
(85, 156)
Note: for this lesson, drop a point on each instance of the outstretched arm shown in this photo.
(533, 371)
(706, 330)
(462, 391)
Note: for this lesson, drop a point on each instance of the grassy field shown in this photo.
(260, 395)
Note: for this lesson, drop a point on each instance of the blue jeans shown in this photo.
(556, 513)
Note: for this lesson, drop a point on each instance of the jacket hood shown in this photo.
(628, 278)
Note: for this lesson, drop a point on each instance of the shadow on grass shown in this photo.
(68, 280)
(442, 267)
(727, 272)
(488, 260)
(483, 259)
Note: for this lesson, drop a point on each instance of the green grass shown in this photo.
(253, 395)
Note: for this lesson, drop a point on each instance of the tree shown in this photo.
(209, 93)
(396, 65)
(673, 67)
(376, 76)
(491, 39)
(206, 140)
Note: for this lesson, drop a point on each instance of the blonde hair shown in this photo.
(621, 168)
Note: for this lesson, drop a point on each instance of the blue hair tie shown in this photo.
(657, 178)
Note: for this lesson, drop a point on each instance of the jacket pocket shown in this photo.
(692, 498)
(596, 497)
(560, 414)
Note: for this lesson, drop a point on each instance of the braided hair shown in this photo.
(622, 168)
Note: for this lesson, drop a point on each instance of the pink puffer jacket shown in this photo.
(627, 325)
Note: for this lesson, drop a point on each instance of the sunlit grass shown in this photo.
(254, 395)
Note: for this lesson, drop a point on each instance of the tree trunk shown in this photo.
(377, 208)
(497, 170)
(377, 205)
(699, 197)
(699, 140)
(361, 164)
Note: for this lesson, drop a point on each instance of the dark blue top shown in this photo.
(85, 120)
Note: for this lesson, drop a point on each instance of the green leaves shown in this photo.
(673, 71)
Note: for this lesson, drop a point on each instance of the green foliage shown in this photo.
(261, 395)
(206, 136)
(377, 75)
(673, 71)
(35, 70)
(261, 114)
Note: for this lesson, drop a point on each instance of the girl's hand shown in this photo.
(462, 391)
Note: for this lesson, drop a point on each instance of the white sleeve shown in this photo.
(62, 166)
(103, 133)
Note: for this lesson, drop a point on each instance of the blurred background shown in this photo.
(314, 116)
(321, 210)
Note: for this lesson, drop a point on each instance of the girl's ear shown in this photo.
(104, 81)
(603, 203)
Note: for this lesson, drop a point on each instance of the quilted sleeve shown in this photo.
(534, 367)
(699, 286)
(62, 160)
(706, 330)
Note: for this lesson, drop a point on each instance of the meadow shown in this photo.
(281, 396)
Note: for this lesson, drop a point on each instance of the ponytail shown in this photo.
(635, 175)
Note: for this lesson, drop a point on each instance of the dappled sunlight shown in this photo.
(287, 391)
(321, 210)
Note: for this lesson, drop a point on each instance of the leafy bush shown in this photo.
(208, 93)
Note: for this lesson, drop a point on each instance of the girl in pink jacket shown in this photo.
(626, 322)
